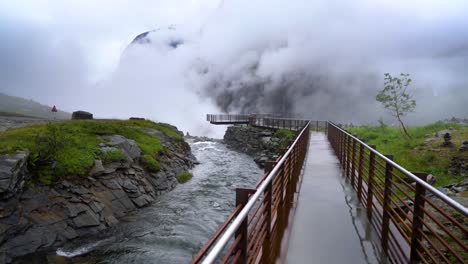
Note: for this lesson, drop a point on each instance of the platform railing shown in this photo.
(227, 118)
(270, 122)
(253, 231)
(415, 222)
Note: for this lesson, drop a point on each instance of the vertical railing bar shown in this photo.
(370, 183)
(386, 204)
(418, 218)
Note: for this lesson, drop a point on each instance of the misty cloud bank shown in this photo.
(318, 60)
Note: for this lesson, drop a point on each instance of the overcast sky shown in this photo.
(68, 53)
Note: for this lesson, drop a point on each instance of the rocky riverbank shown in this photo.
(260, 143)
(36, 217)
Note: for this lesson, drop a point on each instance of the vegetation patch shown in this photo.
(112, 156)
(285, 135)
(422, 152)
(66, 149)
(183, 177)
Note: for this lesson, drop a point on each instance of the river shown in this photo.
(173, 228)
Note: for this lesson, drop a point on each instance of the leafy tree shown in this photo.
(396, 99)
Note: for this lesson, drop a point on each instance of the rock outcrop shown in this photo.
(13, 173)
(35, 217)
(260, 143)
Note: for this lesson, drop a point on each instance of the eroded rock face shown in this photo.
(128, 146)
(13, 173)
(257, 142)
(43, 218)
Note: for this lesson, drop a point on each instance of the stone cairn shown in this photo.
(447, 141)
(464, 146)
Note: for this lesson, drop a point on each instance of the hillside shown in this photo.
(16, 106)
(424, 152)
(73, 179)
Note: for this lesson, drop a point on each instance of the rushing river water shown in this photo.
(173, 228)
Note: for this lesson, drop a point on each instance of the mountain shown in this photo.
(12, 105)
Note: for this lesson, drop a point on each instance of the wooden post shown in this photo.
(242, 197)
(370, 183)
(386, 204)
(418, 218)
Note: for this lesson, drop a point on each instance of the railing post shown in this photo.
(353, 162)
(267, 203)
(418, 218)
(386, 204)
(348, 160)
(242, 197)
(370, 183)
(343, 152)
(361, 157)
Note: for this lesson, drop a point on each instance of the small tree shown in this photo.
(395, 98)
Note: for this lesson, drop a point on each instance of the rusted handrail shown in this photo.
(414, 221)
(258, 227)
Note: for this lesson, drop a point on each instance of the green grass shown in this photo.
(112, 156)
(69, 148)
(183, 177)
(411, 154)
(285, 135)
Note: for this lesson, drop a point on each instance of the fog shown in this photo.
(314, 59)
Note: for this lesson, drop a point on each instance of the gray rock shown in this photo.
(447, 142)
(110, 220)
(464, 146)
(79, 190)
(140, 201)
(86, 219)
(109, 170)
(431, 179)
(129, 186)
(76, 208)
(97, 207)
(13, 173)
(28, 242)
(128, 146)
(112, 184)
(106, 149)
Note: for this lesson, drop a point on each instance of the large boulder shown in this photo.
(80, 115)
(12, 173)
(128, 146)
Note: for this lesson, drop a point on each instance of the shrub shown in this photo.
(183, 177)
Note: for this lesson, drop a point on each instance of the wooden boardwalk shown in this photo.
(324, 227)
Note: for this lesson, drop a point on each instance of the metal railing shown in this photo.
(267, 122)
(253, 231)
(415, 222)
(228, 118)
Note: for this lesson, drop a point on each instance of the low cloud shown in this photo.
(319, 60)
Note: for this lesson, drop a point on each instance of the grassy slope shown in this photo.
(411, 154)
(76, 144)
(16, 106)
